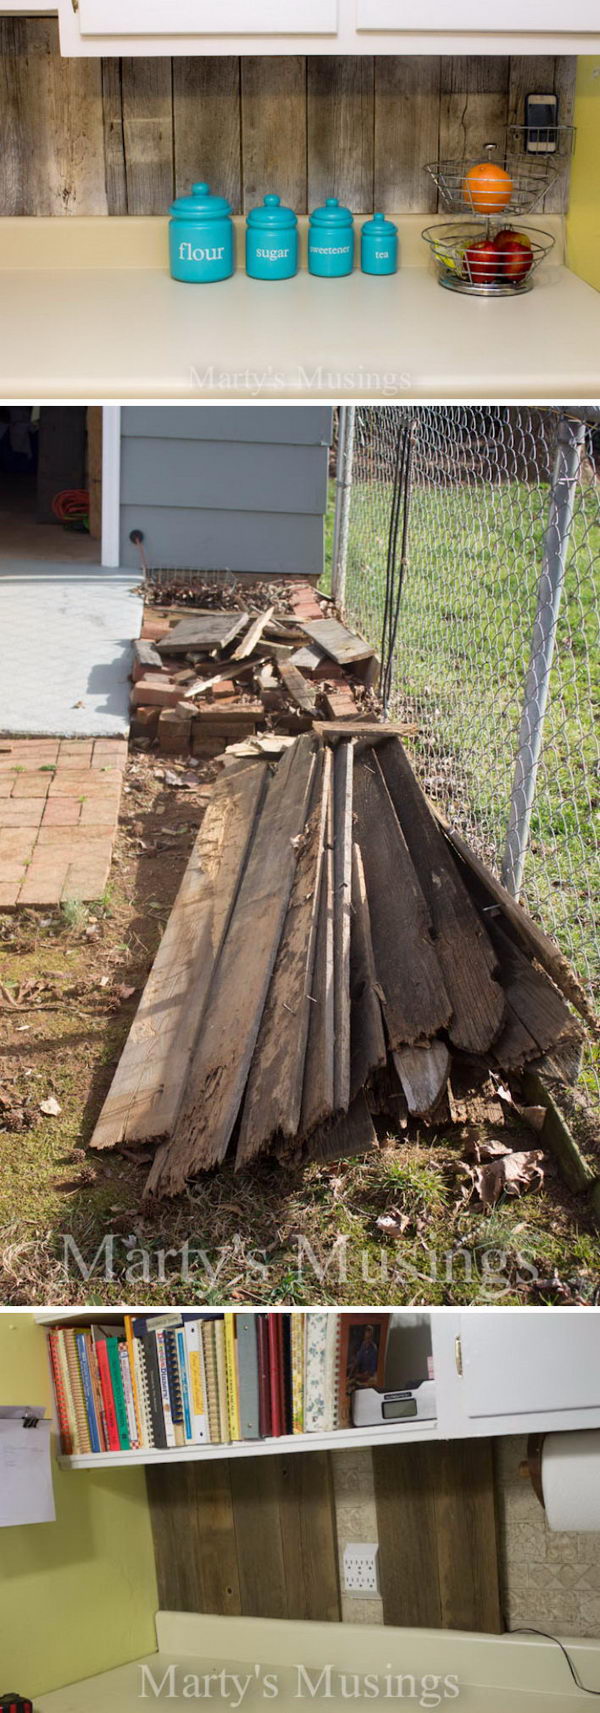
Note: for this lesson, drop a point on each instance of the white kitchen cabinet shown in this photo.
(164, 27)
(516, 1371)
(537, 15)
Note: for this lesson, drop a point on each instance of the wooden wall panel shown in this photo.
(341, 130)
(119, 136)
(274, 129)
(207, 126)
(438, 1548)
(256, 1536)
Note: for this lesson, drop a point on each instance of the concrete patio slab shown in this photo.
(66, 648)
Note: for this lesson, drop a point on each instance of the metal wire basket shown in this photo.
(470, 258)
(556, 141)
(464, 189)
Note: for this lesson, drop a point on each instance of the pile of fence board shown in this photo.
(332, 952)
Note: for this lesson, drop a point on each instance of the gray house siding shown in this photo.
(240, 488)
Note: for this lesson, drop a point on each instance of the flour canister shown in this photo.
(201, 243)
(271, 241)
(331, 240)
(379, 246)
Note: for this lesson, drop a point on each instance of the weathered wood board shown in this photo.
(318, 1089)
(302, 693)
(423, 1073)
(351, 1132)
(220, 1066)
(340, 644)
(414, 998)
(367, 1037)
(204, 631)
(537, 1017)
(342, 917)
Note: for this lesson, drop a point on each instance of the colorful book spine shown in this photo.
(114, 1361)
(64, 1426)
(248, 1376)
(84, 1368)
(298, 1373)
(164, 1387)
(83, 1431)
(137, 1404)
(185, 1385)
(128, 1396)
(233, 1402)
(174, 1383)
(98, 1399)
(264, 1376)
(274, 1375)
(222, 1399)
(112, 1429)
(195, 1358)
(315, 1404)
(139, 1358)
(210, 1371)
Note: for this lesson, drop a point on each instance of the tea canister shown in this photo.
(201, 245)
(379, 246)
(271, 241)
(331, 240)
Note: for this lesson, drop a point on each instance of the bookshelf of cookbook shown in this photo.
(497, 1374)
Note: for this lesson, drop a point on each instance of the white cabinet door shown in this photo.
(543, 16)
(206, 17)
(519, 1364)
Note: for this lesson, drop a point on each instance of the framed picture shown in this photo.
(363, 1340)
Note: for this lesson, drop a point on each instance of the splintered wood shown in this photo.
(331, 956)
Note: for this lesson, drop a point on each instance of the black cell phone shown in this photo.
(541, 124)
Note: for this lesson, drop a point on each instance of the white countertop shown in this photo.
(126, 332)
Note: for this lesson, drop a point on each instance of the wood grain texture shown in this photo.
(114, 140)
(340, 130)
(438, 1545)
(474, 104)
(407, 124)
(464, 950)
(52, 154)
(342, 918)
(538, 74)
(367, 1038)
(352, 1132)
(191, 1512)
(273, 117)
(537, 1017)
(147, 86)
(148, 1087)
(414, 999)
(207, 126)
(318, 1089)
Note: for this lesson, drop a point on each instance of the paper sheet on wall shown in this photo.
(26, 1494)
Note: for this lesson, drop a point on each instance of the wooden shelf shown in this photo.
(339, 1439)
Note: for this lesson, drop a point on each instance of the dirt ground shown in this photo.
(72, 1228)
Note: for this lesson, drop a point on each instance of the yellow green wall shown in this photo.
(77, 1596)
(583, 222)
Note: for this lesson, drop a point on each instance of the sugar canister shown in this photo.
(271, 241)
(331, 240)
(379, 246)
(201, 246)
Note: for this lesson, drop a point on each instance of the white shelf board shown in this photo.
(338, 1439)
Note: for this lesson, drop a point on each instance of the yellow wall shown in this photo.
(77, 1596)
(583, 222)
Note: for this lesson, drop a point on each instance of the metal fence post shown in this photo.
(570, 439)
(343, 490)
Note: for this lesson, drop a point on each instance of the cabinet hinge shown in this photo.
(458, 1355)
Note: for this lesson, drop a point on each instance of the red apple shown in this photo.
(481, 262)
(515, 254)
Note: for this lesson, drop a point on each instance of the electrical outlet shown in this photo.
(360, 1568)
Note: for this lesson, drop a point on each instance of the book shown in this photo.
(82, 1436)
(101, 1353)
(151, 1368)
(317, 1354)
(84, 1369)
(185, 1384)
(210, 1373)
(128, 1396)
(98, 1399)
(274, 1375)
(139, 1362)
(264, 1378)
(64, 1425)
(297, 1373)
(248, 1376)
(114, 1362)
(286, 1369)
(361, 1358)
(233, 1403)
(221, 1363)
(174, 1383)
(158, 1334)
(137, 1404)
(197, 1383)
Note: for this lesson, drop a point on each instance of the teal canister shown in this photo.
(271, 241)
(331, 240)
(379, 246)
(201, 245)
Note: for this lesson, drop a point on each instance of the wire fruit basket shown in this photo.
(495, 182)
(471, 257)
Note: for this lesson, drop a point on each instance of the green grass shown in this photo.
(463, 647)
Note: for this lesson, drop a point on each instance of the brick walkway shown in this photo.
(59, 806)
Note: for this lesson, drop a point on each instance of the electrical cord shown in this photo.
(526, 1630)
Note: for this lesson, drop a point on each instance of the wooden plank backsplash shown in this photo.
(86, 136)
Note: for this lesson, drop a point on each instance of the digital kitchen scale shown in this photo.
(371, 1408)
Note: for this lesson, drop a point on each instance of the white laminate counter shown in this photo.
(94, 330)
(492, 1674)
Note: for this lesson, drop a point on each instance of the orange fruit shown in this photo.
(487, 188)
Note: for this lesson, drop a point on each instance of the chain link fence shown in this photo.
(486, 554)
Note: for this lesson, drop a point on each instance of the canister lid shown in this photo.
(331, 214)
(271, 213)
(380, 227)
(200, 201)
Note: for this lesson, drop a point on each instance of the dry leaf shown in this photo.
(394, 1223)
(535, 1116)
(508, 1176)
(50, 1107)
(482, 1151)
